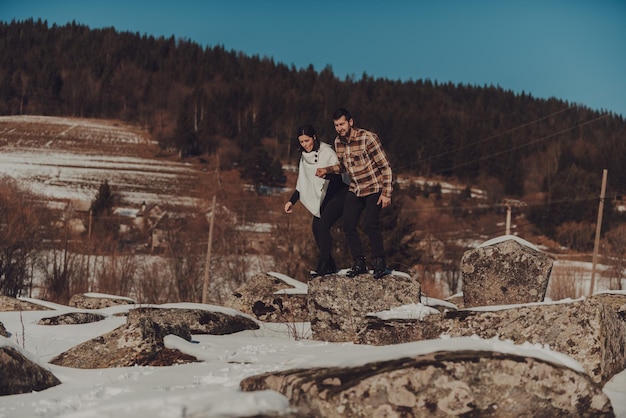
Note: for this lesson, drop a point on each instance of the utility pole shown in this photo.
(218, 173)
(207, 262)
(90, 219)
(592, 286)
(509, 204)
(508, 219)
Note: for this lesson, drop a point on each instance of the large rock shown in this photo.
(98, 301)
(198, 321)
(9, 304)
(613, 300)
(72, 318)
(505, 271)
(139, 342)
(399, 325)
(20, 375)
(586, 330)
(339, 305)
(271, 297)
(440, 384)
(378, 331)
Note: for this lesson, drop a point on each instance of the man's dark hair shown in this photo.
(342, 112)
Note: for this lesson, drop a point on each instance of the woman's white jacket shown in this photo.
(312, 189)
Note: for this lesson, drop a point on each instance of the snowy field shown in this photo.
(211, 388)
(67, 159)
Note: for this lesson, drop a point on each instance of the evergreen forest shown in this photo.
(192, 98)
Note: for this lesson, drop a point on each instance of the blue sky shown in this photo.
(574, 50)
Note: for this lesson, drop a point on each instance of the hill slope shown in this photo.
(68, 158)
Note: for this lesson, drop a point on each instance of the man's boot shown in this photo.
(358, 267)
(380, 267)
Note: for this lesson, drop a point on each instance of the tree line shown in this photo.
(193, 98)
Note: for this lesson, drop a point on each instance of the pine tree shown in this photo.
(102, 205)
(258, 167)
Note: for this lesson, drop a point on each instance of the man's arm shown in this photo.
(336, 168)
(333, 169)
(378, 156)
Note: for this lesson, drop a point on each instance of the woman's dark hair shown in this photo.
(308, 130)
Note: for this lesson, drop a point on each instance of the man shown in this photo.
(361, 155)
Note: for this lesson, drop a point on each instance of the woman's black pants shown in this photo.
(331, 210)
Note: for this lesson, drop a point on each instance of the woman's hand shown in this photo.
(288, 207)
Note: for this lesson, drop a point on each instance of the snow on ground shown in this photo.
(27, 128)
(211, 387)
(446, 187)
(67, 176)
(82, 154)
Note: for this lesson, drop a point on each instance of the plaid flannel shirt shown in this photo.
(364, 159)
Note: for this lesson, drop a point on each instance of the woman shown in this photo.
(323, 197)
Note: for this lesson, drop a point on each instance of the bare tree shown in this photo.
(19, 231)
(116, 273)
(615, 242)
(294, 248)
(154, 282)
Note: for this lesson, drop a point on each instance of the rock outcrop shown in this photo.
(339, 305)
(9, 304)
(440, 384)
(587, 330)
(20, 375)
(270, 298)
(197, 320)
(72, 318)
(505, 272)
(96, 301)
(614, 301)
(138, 342)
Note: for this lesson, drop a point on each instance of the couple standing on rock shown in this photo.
(321, 188)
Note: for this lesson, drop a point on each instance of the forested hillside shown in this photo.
(192, 99)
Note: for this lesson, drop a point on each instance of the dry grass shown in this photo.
(566, 282)
(430, 285)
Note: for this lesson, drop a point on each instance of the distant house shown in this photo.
(620, 203)
(76, 207)
(153, 219)
(126, 212)
(158, 240)
(74, 210)
(148, 217)
(76, 226)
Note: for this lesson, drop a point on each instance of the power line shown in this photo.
(498, 134)
(451, 208)
(533, 141)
